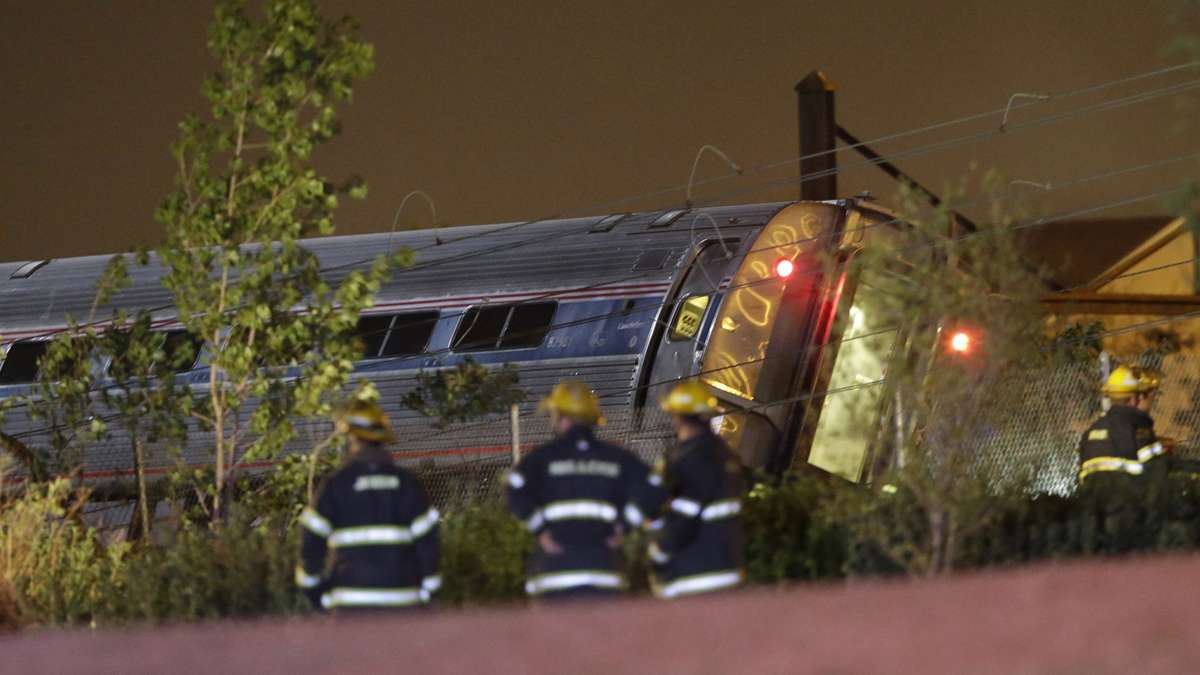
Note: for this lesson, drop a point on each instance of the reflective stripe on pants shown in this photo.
(701, 583)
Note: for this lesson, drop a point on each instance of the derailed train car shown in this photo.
(754, 299)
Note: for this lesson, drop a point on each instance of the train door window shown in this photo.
(688, 317)
(410, 334)
(504, 326)
(850, 411)
(21, 362)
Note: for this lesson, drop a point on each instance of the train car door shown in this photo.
(684, 320)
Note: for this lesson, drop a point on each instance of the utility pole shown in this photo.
(818, 128)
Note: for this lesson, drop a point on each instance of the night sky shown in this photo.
(514, 111)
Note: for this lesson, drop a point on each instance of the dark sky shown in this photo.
(507, 111)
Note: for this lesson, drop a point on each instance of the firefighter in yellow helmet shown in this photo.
(578, 495)
(697, 545)
(1117, 455)
(1122, 445)
(376, 520)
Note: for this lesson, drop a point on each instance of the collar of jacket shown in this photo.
(372, 455)
(702, 440)
(1120, 410)
(580, 433)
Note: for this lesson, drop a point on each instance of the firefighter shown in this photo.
(378, 522)
(1118, 455)
(578, 495)
(1121, 445)
(698, 543)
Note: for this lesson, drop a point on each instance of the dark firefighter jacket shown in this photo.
(1121, 442)
(383, 534)
(699, 543)
(583, 491)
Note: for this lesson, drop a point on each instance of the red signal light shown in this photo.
(784, 268)
(960, 342)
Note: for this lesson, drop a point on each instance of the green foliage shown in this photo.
(929, 279)
(244, 568)
(787, 540)
(483, 556)
(1076, 343)
(465, 392)
(245, 196)
(53, 568)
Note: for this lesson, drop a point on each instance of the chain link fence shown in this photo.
(462, 464)
(1050, 412)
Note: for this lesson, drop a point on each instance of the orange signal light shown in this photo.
(960, 342)
(784, 268)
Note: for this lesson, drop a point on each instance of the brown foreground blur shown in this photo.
(1138, 615)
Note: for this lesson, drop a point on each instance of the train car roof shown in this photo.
(478, 261)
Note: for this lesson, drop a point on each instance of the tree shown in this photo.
(933, 280)
(277, 336)
(464, 393)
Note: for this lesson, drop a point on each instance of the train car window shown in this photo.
(182, 350)
(385, 335)
(504, 326)
(21, 362)
(528, 325)
(688, 317)
(481, 327)
(742, 330)
(410, 334)
(373, 331)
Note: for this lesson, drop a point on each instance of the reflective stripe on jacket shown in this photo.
(582, 491)
(698, 547)
(373, 517)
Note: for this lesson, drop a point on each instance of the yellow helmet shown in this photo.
(367, 421)
(573, 399)
(1125, 382)
(690, 398)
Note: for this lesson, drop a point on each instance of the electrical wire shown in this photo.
(1038, 222)
(1141, 96)
(1057, 186)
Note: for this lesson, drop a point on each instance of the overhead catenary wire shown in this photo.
(1034, 223)
(1144, 96)
(1058, 186)
(1141, 96)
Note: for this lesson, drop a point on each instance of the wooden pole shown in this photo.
(514, 417)
(818, 174)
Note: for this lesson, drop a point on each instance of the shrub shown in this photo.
(242, 569)
(786, 540)
(483, 556)
(53, 567)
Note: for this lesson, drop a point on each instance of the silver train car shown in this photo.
(742, 296)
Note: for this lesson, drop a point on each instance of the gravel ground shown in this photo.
(1134, 616)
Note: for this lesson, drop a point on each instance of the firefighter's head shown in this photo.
(571, 403)
(691, 406)
(1132, 386)
(366, 424)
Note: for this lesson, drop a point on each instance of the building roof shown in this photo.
(1077, 253)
